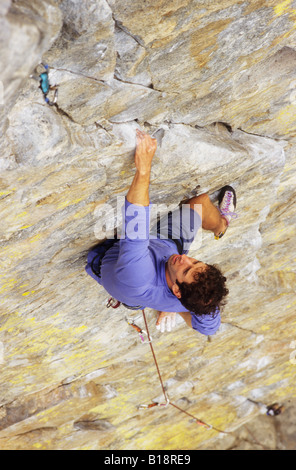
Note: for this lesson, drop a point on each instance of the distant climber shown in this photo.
(151, 268)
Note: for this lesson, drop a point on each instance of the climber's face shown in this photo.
(182, 268)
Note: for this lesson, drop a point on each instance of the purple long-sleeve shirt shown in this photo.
(133, 270)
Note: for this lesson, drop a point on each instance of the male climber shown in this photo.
(150, 268)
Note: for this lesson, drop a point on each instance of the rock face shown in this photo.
(215, 83)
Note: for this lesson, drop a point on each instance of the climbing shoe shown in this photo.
(227, 205)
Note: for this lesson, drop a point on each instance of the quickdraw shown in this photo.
(111, 302)
(274, 409)
(153, 404)
(138, 330)
(45, 86)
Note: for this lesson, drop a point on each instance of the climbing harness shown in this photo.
(45, 86)
(111, 302)
(115, 304)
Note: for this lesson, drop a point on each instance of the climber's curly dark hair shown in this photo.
(206, 293)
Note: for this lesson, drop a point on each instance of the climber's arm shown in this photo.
(145, 150)
(204, 324)
(167, 320)
(134, 265)
(187, 318)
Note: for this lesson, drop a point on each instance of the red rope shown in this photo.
(198, 421)
(154, 357)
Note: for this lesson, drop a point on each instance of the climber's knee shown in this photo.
(202, 199)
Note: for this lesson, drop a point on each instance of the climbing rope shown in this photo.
(168, 402)
(115, 304)
(272, 410)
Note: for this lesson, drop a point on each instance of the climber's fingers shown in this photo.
(145, 150)
(166, 321)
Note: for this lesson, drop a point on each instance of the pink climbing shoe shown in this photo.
(227, 205)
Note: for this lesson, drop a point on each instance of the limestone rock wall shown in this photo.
(215, 83)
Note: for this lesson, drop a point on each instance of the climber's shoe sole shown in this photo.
(226, 200)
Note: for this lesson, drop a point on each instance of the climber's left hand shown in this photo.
(166, 321)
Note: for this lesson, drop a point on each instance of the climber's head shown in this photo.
(199, 287)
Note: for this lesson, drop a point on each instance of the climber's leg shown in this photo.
(212, 219)
(216, 219)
